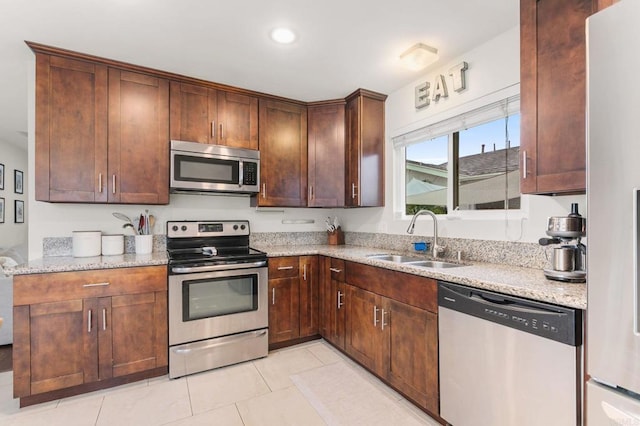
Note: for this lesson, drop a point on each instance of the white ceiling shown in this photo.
(342, 44)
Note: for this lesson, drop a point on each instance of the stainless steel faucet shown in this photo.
(437, 249)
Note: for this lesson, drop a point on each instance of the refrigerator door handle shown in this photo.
(619, 416)
(636, 253)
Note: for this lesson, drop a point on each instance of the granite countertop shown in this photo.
(513, 280)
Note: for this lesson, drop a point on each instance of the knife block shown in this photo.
(335, 238)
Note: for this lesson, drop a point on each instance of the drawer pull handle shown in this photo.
(89, 322)
(95, 284)
(104, 319)
(340, 303)
(336, 270)
(284, 268)
(273, 296)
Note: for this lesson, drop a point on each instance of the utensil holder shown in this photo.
(144, 244)
(335, 238)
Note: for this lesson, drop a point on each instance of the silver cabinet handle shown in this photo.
(304, 271)
(340, 303)
(99, 183)
(524, 164)
(284, 268)
(383, 323)
(96, 284)
(89, 322)
(336, 270)
(221, 131)
(213, 129)
(375, 315)
(113, 184)
(310, 192)
(264, 190)
(104, 319)
(273, 296)
(353, 191)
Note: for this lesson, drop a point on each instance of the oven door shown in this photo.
(203, 305)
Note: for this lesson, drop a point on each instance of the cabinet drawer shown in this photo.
(283, 267)
(337, 269)
(58, 286)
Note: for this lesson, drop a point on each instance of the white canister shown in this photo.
(86, 243)
(112, 244)
(144, 244)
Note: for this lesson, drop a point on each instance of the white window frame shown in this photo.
(470, 114)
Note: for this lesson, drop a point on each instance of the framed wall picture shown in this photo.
(1, 210)
(19, 211)
(17, 182)
(1, 176)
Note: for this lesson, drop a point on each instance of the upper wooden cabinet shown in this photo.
(365, 149)
(326, 154)
(102, 134)
(283, 154)
(553, 87)
(206, 115)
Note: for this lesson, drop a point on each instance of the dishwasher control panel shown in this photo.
(554, 322)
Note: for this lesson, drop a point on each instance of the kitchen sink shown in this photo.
(414, 261)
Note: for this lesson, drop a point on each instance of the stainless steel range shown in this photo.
(218, 312)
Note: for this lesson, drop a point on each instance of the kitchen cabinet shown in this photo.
(204, 114)
(101, 133)
(388, 323)
(81, 331)
(552, 99)
(364, 123)
(326, 147)
(283, 154)
(294, 298)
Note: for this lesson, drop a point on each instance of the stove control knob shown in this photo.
(174, 228)
(183, 228)
(235, 227)
(242, 227)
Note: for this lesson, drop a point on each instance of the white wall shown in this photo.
(493, 70)
(13, 158)
(493, 73)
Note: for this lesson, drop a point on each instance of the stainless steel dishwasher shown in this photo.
(506, 360)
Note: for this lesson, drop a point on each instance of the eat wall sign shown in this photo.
(425, 93)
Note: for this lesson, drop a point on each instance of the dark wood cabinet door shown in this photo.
(365, 149)
(283, 154)
(71, 130)
(238, 120)
(194, 112)
(309, 296)
(363, 335)
(326, 139)
(137, 324)
(553, 87)
(61, 346)
(284, 310)
(138, 138)
(411, 353)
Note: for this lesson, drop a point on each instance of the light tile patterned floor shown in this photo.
(309, 384)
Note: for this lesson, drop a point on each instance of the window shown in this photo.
(472, 163)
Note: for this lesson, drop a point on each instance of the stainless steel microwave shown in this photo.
(205, 168)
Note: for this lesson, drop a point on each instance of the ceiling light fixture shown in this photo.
(419, 56)
(283, 35)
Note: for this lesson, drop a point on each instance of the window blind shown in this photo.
(484, 114)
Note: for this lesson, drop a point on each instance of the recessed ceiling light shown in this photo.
(419, 56)
(283, 35)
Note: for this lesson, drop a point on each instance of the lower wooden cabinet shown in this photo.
(293, 298)
(73, 329)
(387, 321)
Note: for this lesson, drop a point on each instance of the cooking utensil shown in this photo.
(122, 217)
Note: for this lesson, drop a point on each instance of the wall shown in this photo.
(13, 157)
(493, 73)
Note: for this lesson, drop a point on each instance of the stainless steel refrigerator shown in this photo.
(613, 215)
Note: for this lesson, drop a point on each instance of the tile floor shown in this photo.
(309, 384)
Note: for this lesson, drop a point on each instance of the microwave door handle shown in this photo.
(240, 173)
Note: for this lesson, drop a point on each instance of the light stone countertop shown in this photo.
(513, 280)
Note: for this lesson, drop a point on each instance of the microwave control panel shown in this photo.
(250, 173)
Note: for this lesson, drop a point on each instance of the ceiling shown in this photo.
(342, 44)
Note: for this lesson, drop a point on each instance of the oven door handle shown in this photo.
(225, 267)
